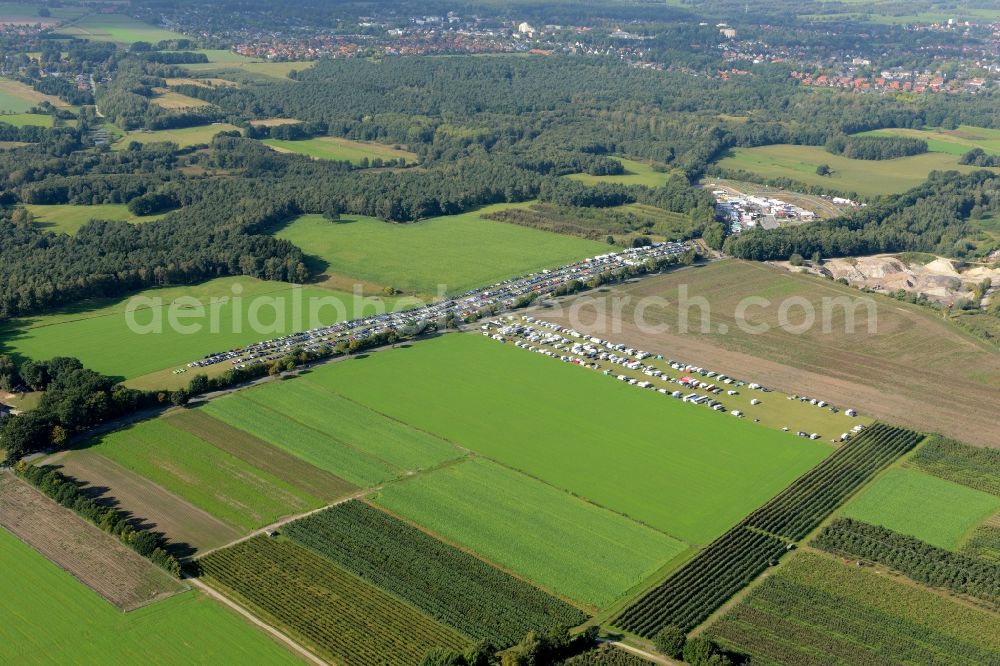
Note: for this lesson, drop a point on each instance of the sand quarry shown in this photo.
(939, 280)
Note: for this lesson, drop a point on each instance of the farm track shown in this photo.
(253, 619)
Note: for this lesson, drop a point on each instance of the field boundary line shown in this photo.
(275, 633)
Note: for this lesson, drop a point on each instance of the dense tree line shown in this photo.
(65, 491)
(75, 399)
(920, 561)
(875, 147)
(930, 218)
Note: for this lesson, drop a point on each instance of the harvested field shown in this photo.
(916, 369)
(188, 528)
(95, 558)
(260, 454)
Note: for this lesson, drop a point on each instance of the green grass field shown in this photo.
(68, 218)
(955, 142)
(331, 432)
(689, 472)
(563, 543)
(99, 335)
(25, 119)
(457, 252)
(234, 67)
(80, 627)
(817, 610)
(636, 173)
(17, 97)
(211, 479)
(118, 28)
(939, 512)
(866, 177)
(335, 148)
(187, 136)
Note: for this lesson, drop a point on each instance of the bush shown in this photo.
(670, 641)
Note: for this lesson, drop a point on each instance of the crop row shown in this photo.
(452, 586)
(790, 622)
(730, 562)
(919, 560)
(703, 584)
(802, 506)
(340, 615)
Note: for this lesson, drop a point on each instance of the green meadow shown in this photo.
(118, 28)
(331, 432)
(866, 177)
(636, 173)
(689, 472)
(236, 311)
(561, 542)
(345, 150)
(24, 119)
(955, 142)
(459, 252)
(186, 136)
(68, 218)
(51, 618)
(934, 510)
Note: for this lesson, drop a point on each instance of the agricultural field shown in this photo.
(572, 547)
(688, 597)
(565, 419)
(936, 511)
(332, 433)
(25, 119)
(239, 69)
(815, 609)
(94, 557)
(288, 468)
(333, 612)
(68, 218)
(918, 560)
(213, 480)
(189, 529)
(117, 28)
(81, 627)
(972, 467)
(169, 99)
(18, 98)
(17, 13)
(447, 584)
(914, 369)
(183, 137)
(98, 332)
(636, 173)
(345, 150)
(449, 254)
(865, 177)
(955, 142)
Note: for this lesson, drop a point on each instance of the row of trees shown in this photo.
(920, 561)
